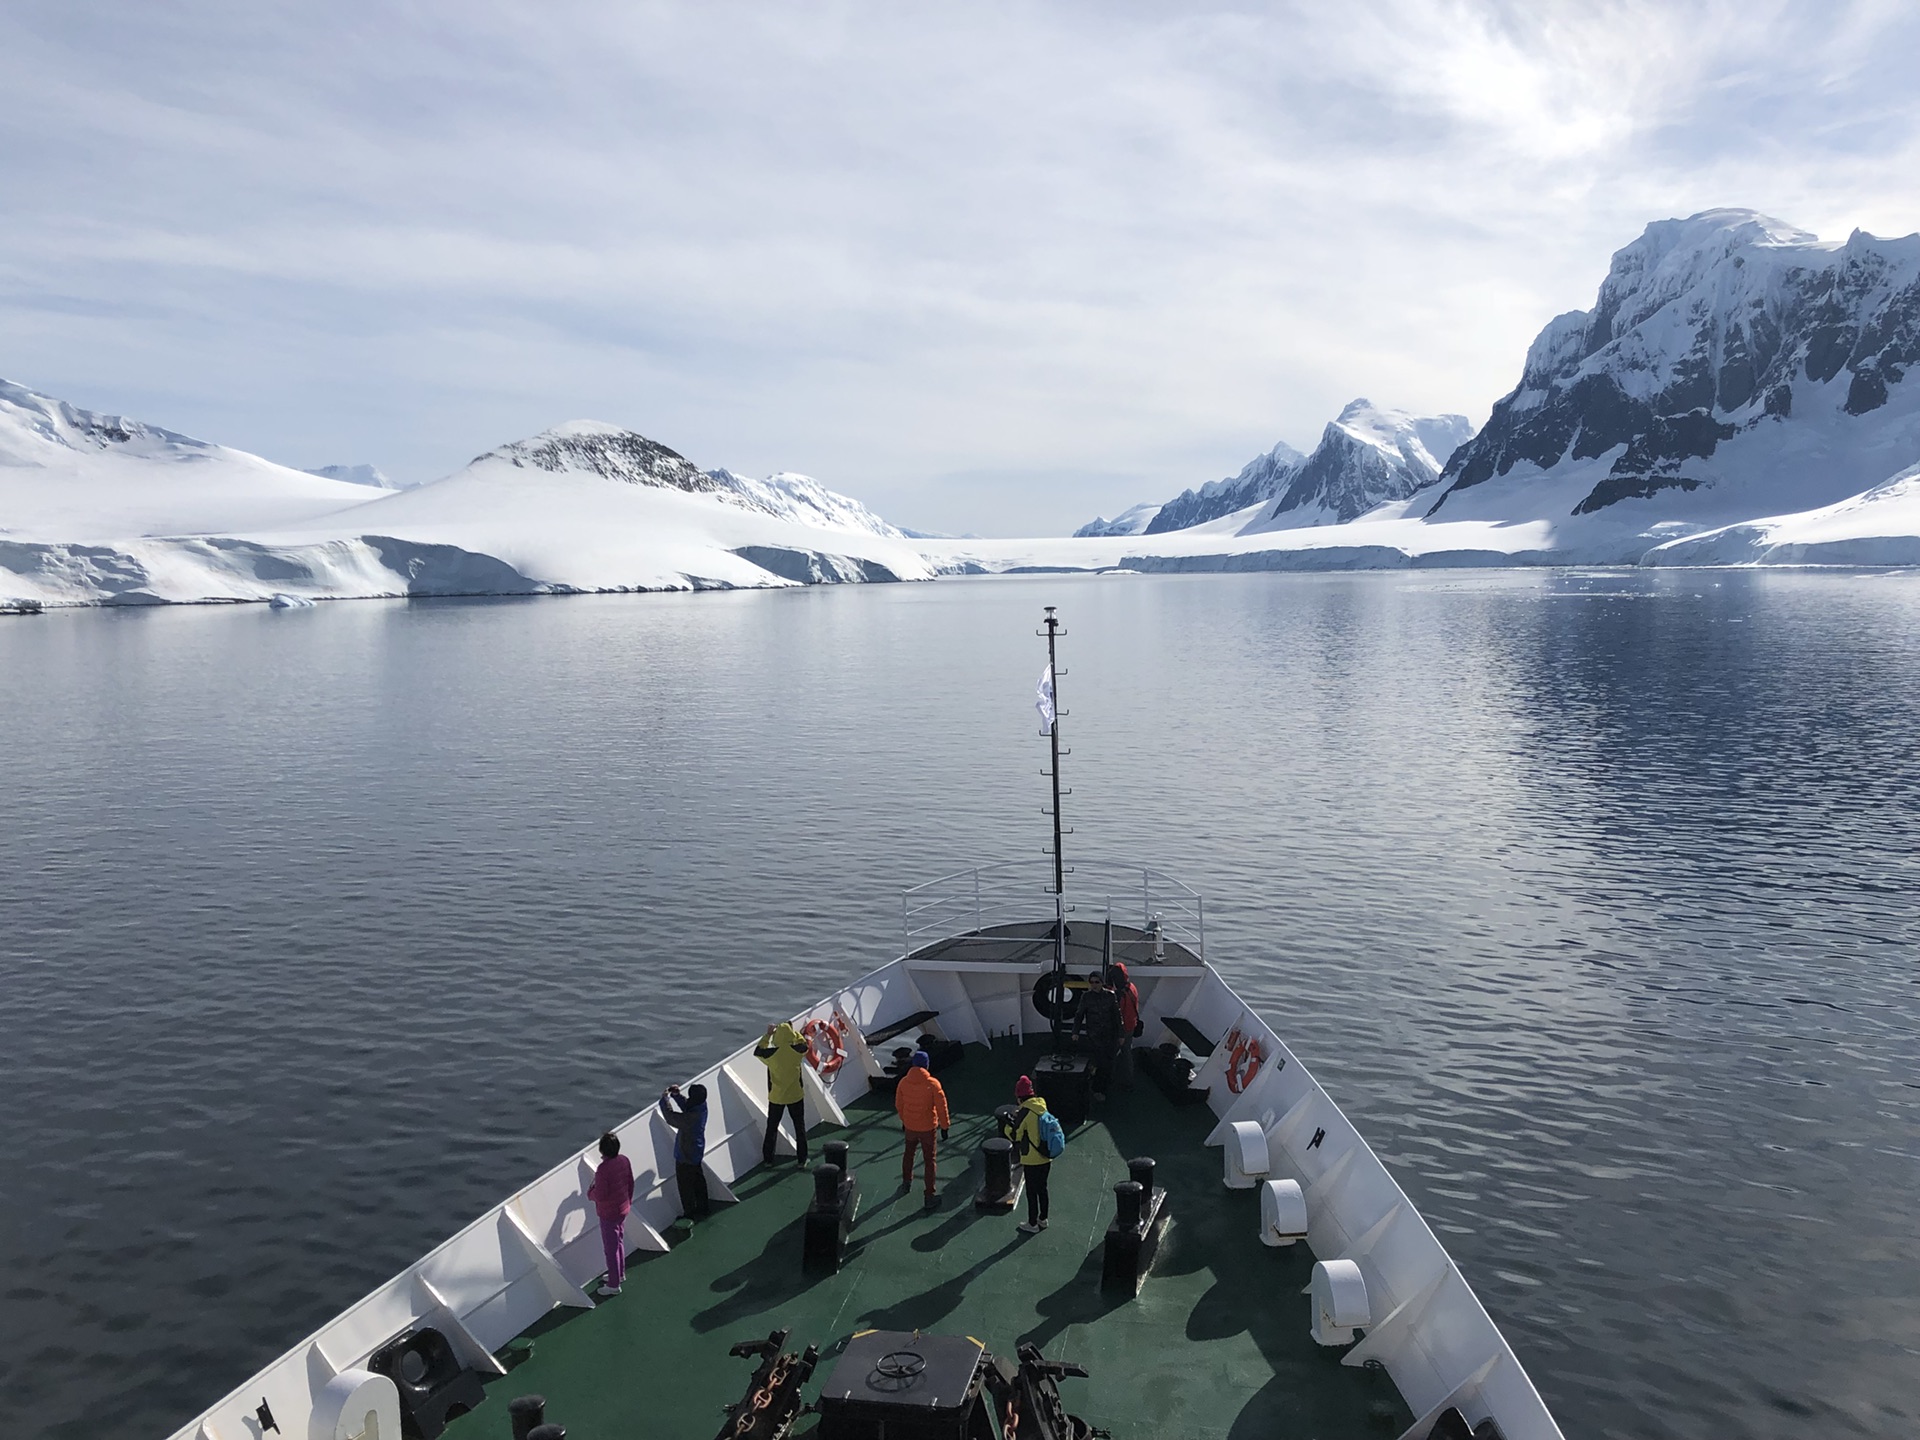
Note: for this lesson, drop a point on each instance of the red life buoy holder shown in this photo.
(1245, 1056)
(826, 1052)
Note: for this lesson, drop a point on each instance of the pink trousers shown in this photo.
(613, 1238)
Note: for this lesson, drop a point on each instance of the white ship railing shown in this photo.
(1012, 892)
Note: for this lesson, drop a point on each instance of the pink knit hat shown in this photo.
(1022, 1088)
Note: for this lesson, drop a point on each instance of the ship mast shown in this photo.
(1053, 742)
(1052, 632)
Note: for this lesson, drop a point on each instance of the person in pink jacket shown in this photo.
(612, 1195)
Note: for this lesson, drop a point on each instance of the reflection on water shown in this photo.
(1588, 895)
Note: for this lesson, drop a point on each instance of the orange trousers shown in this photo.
(927, 1140)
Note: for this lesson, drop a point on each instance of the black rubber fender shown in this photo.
(1050, 995)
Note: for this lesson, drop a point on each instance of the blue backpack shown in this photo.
(1052, 1138)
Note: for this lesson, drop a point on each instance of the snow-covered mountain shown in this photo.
(356, 475)
(106, 510)
(615, 453)
(1131, 521)
(1368, 456)
(1741, 392)
(32, 424)
(1732, 366)
(73, 474)
(805, 500)
(1262, 478)
(590, 447)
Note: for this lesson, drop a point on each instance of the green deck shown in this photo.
(1216, 1344)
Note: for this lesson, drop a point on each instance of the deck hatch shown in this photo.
(922, 1384)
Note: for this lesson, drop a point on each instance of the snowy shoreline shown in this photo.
(496, 529)
(1881, 555)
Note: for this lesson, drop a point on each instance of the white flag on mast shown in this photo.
(1043, 700)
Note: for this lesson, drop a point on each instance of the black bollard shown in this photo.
(1140, 1214)
(1001, 1180)
(836, 1153)
(830, 1216)
(826, 1186)
(547, 1432)
(529, 1413)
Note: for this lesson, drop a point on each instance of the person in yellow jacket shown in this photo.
(783, 1050)
(1032, 1150)
(922, 1103)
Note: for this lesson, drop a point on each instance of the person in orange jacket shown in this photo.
(922, 1104)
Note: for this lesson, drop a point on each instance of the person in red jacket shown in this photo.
(922, 1104)
(1130, 1026)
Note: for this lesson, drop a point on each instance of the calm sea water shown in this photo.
(1591, 898)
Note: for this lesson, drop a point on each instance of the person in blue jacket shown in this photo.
(687, 1114)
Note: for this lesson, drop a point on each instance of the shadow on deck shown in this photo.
(1215, 1345)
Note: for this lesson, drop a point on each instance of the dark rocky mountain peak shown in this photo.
(1260, 479)
(610, 452)
(613, 453)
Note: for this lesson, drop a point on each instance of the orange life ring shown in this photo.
(1245, 1056)
(826, 1052)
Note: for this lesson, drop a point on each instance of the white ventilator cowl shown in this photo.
(1283, 1212)
(356, 1405)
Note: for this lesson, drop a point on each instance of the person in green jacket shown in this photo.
(783, 1050)
(1032, 1150)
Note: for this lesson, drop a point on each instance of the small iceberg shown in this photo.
(283, 601)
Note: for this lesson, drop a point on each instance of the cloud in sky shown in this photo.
(989, 268)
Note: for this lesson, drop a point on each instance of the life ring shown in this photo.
(1245, 1056)
(826, 1052)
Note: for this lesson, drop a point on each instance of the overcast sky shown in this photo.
(990, 268)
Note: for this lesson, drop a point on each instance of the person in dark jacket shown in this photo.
(783, 1050)
(1100, 1023)
(687, 1114)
